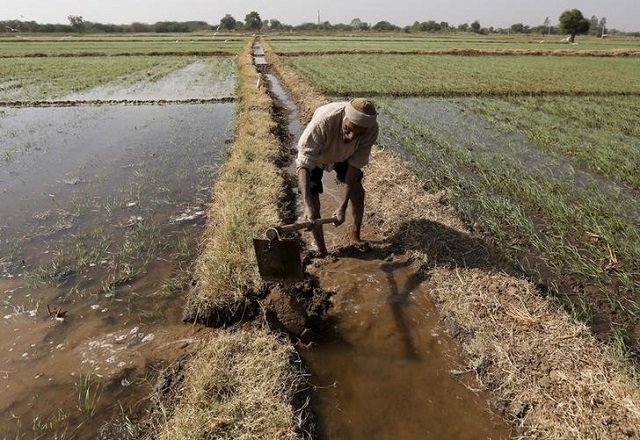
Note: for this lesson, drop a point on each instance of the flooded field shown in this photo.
(556, 191)
(198, 80)
(101, 212)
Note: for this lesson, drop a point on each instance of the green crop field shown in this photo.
(51, 77)
(449, 75)
(86, 46)
(410, 42)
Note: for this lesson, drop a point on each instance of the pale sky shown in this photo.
(621, 14)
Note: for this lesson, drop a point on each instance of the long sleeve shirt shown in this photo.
(322, 144)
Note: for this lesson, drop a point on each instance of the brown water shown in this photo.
(386, 368)
(101, 210)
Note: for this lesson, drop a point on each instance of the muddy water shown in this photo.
(386, 367)
(100, 212)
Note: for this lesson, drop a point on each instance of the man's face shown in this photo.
(350, 131)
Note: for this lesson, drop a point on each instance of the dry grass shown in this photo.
(245, 203)
(239, 386)
(546, 372)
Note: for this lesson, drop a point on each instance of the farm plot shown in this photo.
(447, 75)
(102, 207)
(287, 45)
(110, 46)
(575, 228)
(36, 79)
(100, 220)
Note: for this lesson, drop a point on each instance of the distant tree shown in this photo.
(416, 27)
(307, 26)
(475, 27)
(518, 28)
(76, 22)
(384, 26)
(228, 23)
(573, 22)
(275, 24)
(431, 26)
(252, 21)
(444, 26)
(140, 27)
(356, 24)
(464, 27)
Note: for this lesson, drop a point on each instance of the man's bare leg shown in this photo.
(318, 233)
(356, 197)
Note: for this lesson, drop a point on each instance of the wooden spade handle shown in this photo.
(306, 225)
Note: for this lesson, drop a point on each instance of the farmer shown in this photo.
(339, 137)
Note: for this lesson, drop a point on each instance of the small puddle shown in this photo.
(386, 368)
(102, 209)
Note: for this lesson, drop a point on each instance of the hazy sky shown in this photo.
(621, 14)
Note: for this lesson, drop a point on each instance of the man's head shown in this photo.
(359, 115)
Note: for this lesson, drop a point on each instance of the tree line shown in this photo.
(569, 21)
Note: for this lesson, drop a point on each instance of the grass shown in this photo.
(89, 393)
(473, 76)
(55, 426)
(238, 386)
(597, 133)
(242, 384)
(286, 45)
(48, 78)
(245, 202)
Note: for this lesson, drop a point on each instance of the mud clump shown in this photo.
(298, 308)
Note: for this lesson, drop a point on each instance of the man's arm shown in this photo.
(311, 210)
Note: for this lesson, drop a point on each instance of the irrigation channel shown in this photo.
(102, 207)
(385, 367)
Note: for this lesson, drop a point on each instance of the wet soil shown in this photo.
(101, 210)
(382, 365)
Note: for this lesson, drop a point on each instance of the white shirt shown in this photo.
(322, 144)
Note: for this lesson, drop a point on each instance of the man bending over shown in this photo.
(339, 137)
